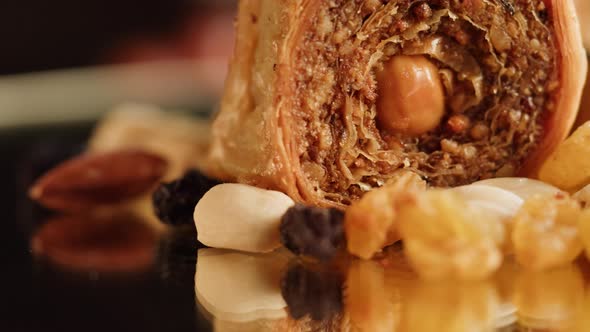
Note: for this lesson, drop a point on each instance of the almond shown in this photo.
(93, 180)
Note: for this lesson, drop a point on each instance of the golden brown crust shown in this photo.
(573, 66)
(270, 124)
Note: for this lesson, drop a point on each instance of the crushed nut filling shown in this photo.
(495, 58)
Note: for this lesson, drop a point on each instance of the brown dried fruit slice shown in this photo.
(93, 180)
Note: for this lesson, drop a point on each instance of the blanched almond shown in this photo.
(493, 201)
(241, 217)
(523, 187)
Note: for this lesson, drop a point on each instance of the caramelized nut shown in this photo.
(445, 237)
(411, 99)
(370, 224)
(545, 233)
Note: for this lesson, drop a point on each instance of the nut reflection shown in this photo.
(240, 287)
(117, 243)
(550, 299)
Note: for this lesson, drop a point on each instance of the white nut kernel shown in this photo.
(493, 201)
(523, 187)
(241, 217)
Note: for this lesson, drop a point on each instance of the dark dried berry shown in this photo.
(175, 202)
(317, 293)
(312, 231)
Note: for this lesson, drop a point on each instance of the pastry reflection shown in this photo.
(241, 291)
(550, 299)
(274, 292)
(114, 243)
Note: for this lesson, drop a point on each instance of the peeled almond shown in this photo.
(241, 217)
(522, 187)
(493, 201)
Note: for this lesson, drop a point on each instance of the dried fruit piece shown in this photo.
(313, 291)
(112, 244)
(175, 202)
(545, 232)
(241, 217)
(312, 231)
(98, 179)
(568, 167)
(446, 238)
(370, 223)
(549, 300)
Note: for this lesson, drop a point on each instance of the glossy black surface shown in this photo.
(43, 296)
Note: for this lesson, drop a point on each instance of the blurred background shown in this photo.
(67, 60)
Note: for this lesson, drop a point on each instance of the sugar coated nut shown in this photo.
(568, 168)
(411, 98)
(446, 238)
(370, 223)
(241, 217)
(545, 232)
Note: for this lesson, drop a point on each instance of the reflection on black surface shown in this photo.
(240, 287)
(312, 290)
(177, 255)
(384, 295)
(115, 243)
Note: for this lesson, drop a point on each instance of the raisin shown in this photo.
(312, 231)
(175, 202)
(313, 292)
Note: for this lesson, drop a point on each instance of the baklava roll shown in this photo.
(327, 99)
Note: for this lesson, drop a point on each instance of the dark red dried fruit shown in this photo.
(313, 231)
